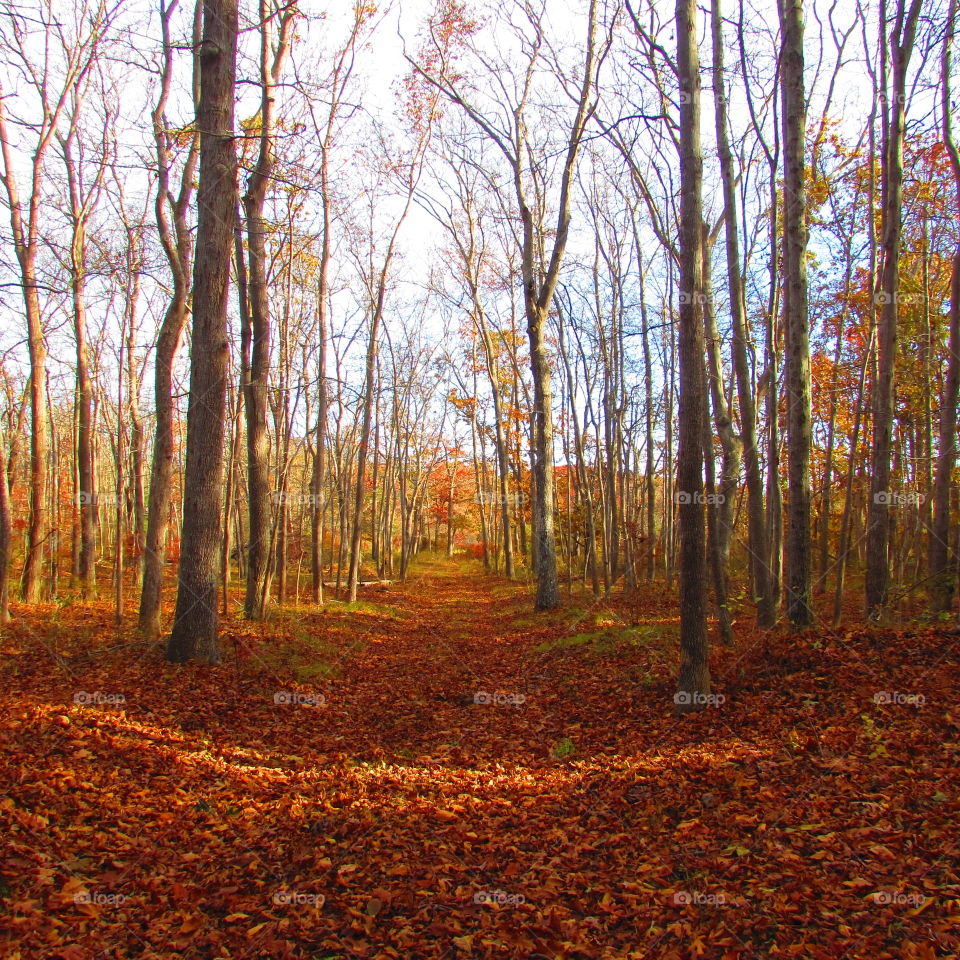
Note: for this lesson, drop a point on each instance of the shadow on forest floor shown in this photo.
(438, 772)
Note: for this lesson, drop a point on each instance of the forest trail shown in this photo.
(457, 672)
(336, 788)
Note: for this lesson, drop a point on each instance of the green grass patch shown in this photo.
(369, 606)
(293, 616)
(307, 656)
(611, 641)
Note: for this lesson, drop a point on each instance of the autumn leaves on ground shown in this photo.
(437, 772)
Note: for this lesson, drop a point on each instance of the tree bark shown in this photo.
(796, 321)
(941, 563)
(256, 362)
(194, 634)
(6, 532)
(877, 582)
(694, 677)
(758, 545)
(177, 244)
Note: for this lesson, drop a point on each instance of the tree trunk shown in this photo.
(257, 361)
(318, 474)
(6, 531)
(720, 511)
(194, 634)
(758, 545)
(877, 582)
(548, 587)
(353, 575)
(177, 244)
(694, 677)
(796, 322)
(941, 564)
(79, 214)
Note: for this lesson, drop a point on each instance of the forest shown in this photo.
(478, 478)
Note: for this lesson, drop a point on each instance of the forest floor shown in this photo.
(437, 772)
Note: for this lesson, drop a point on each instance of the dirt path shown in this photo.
(450, 672)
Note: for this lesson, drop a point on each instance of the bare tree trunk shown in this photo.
(53, 505)
(177, 244)
(81, 203)
(694, 678)
(877, 582)
(118, 503)
(25, 241)
(6, 532)
(548, 588)
(648, 480)
(941, 564)
(796, 322)
(718, 569)
(720, 511)
(318, 474)
(233, 457)
(194, 634)
(771, 561)
(257, 370)
(539, 273)
(758, 545)
(353, 575)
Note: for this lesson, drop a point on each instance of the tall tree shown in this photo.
(255, 332)
(52, 89)
(6, 531)
(325, 128)
(694, 679)
(194, 634)
(376, 282)
(173, 225)
(540, 270)
(942, 573)
(759, 548)
(83, 194)
(893, 114)
(795, 312)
